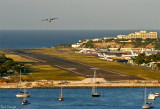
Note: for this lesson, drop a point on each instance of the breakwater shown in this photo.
(79, 84)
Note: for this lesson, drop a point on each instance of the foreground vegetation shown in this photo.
(9, 66)
(69, 53)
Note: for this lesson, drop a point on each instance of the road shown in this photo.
(75, 68)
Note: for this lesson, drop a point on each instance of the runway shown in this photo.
(75, 68)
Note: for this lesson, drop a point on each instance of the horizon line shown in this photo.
(73, 29)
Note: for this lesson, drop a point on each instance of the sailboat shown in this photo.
(61, 98)
(94, 89)
(146, 104)
(22, 93)
(151, 96)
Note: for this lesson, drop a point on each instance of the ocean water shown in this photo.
(112, 98)
(48, 38)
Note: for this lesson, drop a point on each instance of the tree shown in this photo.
(89, 44)
(9, 64)
(158, 66)
(137, 42)
(3, 70)
(140, 59)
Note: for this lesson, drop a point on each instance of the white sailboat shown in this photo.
(151, 96)
(94, 89)
(22, 93)
(146, 104)
(61, 98)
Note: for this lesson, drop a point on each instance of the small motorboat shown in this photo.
(25, 102)
(95, 94)
(61, 98)
(157, 94)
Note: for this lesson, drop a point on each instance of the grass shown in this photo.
(46, 72)
(18, 58)
(42, 72)
(2, 52)
(114, 66)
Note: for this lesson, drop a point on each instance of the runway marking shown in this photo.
(69, 70)
(81, 73)
(93, 66)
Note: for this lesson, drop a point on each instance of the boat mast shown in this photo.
(145, 96)
(94, 81)
(61, 92)
(20, 80)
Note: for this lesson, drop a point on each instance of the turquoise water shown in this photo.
(112, 98)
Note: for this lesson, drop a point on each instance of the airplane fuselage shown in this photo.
(49, 20)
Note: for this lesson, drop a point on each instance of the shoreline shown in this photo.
(80, 84)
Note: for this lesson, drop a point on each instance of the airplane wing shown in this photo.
(53, 18)
(44, 20)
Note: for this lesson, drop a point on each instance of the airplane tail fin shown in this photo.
(132, 52)
(108, 49)
(119, 49)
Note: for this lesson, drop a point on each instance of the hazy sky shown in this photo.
(80, 14)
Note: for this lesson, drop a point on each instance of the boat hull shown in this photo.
(61, 99)
(25, 103)
(146, 106)
(96, 95)
(22, 95)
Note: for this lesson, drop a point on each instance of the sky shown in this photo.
(80, 14)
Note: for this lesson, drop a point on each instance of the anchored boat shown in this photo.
(146, 105)
(61, 98)
(94, 89)
(22, 93)
(25, 102)
(151, 96)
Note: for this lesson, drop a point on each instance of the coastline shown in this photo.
(78, 84)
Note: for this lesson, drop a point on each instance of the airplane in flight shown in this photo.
(49, 20)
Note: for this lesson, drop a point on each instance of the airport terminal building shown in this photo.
(141, 34)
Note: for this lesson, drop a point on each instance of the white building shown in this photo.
(75, 45)
(141, 34)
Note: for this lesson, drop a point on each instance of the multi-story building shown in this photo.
(141, 34)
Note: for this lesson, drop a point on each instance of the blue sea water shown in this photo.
(112, 98)
(48, 38)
